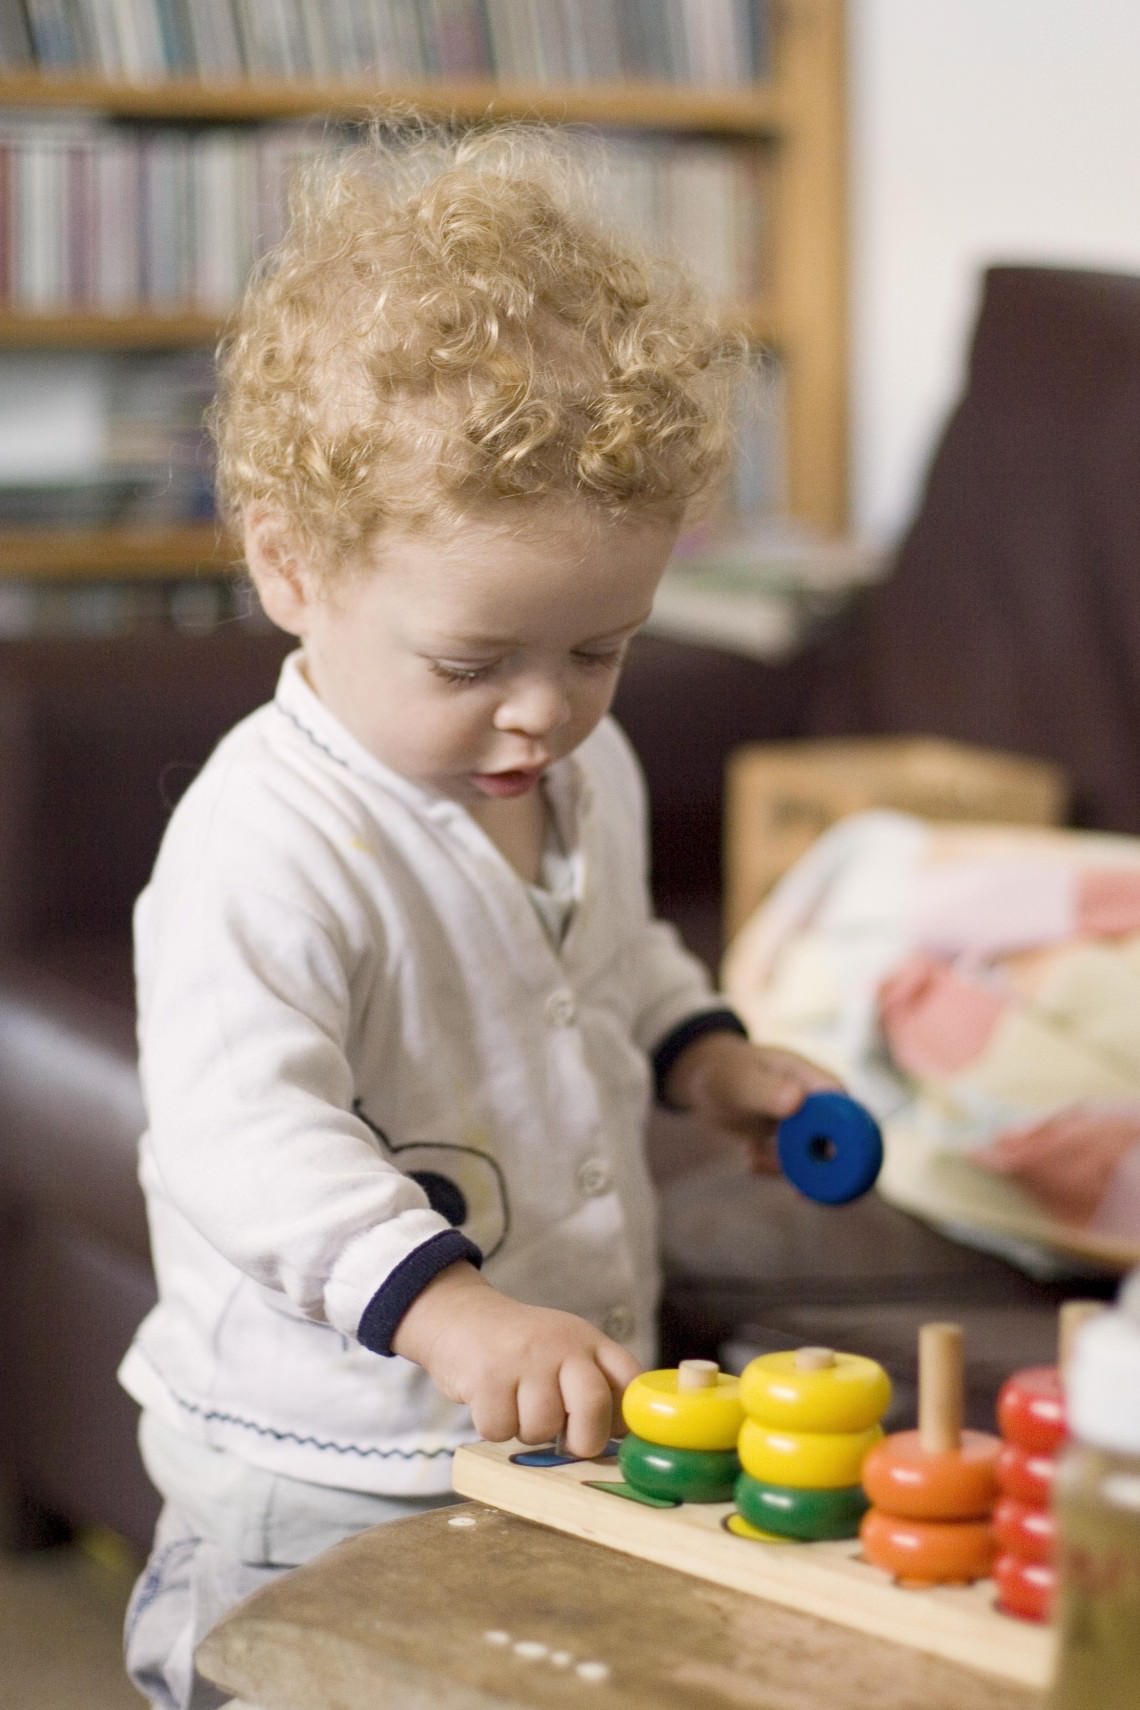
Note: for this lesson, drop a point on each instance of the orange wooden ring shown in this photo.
(1031, 1409)
(1026, 1476)
(1025, 1531)
(901, 1477)
(928, 1552)
(1025, 1588)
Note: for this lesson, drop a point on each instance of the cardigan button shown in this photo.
(594, 1177)
(619, 1323)
(560, 1009)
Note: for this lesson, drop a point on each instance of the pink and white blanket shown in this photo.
(979, 988)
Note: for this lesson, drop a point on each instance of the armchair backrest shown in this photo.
(1012, 618)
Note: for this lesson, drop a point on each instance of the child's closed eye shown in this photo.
(605, 659)
(461, 674)
(610, 659)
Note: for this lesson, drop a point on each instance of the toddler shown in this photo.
(402, 998)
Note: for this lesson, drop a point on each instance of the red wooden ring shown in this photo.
(1026, 1589)
(1026, 1476)
(1025, 1531)
(1031, 1409)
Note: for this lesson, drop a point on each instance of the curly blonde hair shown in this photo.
(447, 323)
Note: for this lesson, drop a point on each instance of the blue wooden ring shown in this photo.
(830, 1148)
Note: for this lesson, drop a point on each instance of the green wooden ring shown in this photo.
(688, 1475)
(796, 1513)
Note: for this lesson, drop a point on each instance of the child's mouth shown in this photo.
(501, 785)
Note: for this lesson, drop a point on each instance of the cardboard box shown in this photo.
(779, 797)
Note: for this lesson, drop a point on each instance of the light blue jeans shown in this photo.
(226, 1530)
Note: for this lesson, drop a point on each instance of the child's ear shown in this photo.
(280, 574)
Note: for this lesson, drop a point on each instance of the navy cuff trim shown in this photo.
(673, 1044)
(407, 1282)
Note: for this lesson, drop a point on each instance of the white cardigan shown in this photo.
(349, 1012)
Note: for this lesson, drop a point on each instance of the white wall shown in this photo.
(981, 131)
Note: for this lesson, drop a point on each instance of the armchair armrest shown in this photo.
(98, 737)
(779, 797)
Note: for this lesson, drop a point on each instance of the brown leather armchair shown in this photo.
(1010, 620)
(1012, 616)
(97, 736)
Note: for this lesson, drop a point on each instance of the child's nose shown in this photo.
(535, 704)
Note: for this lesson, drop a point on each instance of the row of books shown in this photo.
(761, 588)
(702, 43)
(152, 464)
(757, 485)
(115, 608)
(149, 462)
(107, 218)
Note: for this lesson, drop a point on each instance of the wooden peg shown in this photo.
(940, 1387)
(814, 1359)
(697, 1374)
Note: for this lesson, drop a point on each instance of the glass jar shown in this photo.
(1097, 1502)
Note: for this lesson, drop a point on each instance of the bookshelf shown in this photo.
(792, 120)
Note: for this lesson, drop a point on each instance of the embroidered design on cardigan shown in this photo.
(311, 735)
(220, 1416)
(463, 1184)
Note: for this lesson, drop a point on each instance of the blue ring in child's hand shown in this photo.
(830, 1148)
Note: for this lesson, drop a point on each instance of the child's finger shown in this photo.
(541, 1413)
(589, 1408)
(590, 1399)
(777, 1082)
(494, 1412)
(768, 1089)
(620, 1368)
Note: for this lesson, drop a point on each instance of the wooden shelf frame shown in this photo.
(810, 250)
(745, 111)
(116, 554)
(140, 329)
(161, 329)
(799, 113)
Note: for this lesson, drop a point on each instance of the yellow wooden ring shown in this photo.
(742, 1528)
(848, 1396)
(654, 1408)
(810, 1460)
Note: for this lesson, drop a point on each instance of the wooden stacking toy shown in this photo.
(683, 1425)
(933, 1490)
(812, 1417)
(1031, 1419)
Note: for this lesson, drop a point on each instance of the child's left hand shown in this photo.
(744, 1089)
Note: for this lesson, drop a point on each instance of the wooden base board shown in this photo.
(830, 1580)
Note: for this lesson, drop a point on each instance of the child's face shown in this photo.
(470, 664)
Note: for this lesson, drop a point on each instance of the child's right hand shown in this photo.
(525, 1371)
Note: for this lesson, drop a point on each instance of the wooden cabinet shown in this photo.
(793, 120)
